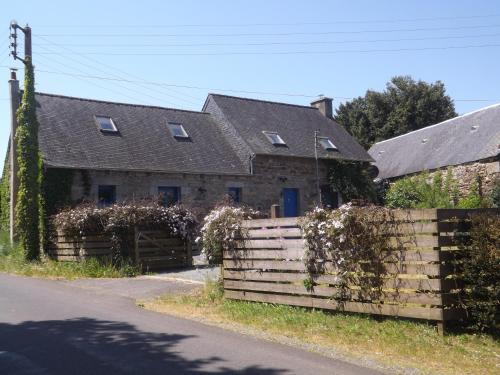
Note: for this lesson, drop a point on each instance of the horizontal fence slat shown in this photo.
(268, 223)
(273, 233)
(429, 313)
(294, 265)
(327, 291)
(271, 244)
(388, 283)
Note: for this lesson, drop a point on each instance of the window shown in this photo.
(106, 195)
(235, 194)
(326, 143)
(169, 195)
(106, 124)
(275, 138)
(177, 130)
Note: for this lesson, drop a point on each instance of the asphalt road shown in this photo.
(54, 327)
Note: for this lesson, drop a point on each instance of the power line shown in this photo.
(283, 52)
(135, 35)
(160, 100)
(221, 89)
(277, 24)
(101, 64)
(107, 45)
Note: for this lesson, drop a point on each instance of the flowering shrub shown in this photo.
(119, 221)
(354, 241)
(221, 230)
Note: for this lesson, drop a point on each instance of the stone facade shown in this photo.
(200, 192)
(466, 174)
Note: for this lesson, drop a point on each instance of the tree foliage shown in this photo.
(29, 161)
(352, 180)
(405, 105)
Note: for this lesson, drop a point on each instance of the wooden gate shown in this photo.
(155, 250)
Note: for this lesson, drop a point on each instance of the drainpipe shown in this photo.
(250, 160)
(14, 180)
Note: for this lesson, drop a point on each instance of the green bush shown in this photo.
(440, 191)
(481, 265)
(423, 192)
(495, 194)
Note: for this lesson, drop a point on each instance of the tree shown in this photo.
(28, 198)
(405, 105)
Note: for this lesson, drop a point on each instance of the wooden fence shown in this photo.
(418, 282)
(152, 250)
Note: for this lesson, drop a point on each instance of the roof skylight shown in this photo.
(177, 130)
(274, 138)
(106, 124)
(326, 143)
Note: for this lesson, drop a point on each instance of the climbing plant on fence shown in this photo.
(119, 221)
(222, 227)
(358, 240)
(29, 161)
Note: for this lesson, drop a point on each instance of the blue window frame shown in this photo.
(106, 195)
(169, 195)
(235, 194)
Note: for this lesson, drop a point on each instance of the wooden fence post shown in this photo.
(136, 246)
(275, 211)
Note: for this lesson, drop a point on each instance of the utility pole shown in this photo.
(14, 105)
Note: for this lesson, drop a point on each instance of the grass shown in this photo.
(391, 342)
(12, 261)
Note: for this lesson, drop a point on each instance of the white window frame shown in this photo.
(114, 130)
(184, 133)
(331, 146)
(269, 135)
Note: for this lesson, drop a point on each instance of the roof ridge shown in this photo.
(440, 123)
(119, 103)
(263, 101)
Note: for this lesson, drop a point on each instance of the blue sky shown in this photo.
(256, 48)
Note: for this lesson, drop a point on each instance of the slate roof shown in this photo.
(248, 118)
(69, 137)
(467, 138)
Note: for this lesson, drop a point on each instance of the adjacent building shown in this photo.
(468, 144)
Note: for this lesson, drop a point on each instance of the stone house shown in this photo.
(468, 144)
(259, 152)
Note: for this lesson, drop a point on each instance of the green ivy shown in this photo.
(28, 200)
(5, 195)
(55, 195)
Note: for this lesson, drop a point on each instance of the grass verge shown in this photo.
(393, 343)
(12, 261)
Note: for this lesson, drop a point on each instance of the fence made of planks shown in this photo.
(150, 249)
(418, 281)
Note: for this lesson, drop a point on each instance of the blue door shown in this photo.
(290, 202)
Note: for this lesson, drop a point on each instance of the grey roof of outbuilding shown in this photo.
(294, 123)
(69, 137)
(467, 138)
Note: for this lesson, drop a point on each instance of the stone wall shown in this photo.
(466, 174)
(201, 192)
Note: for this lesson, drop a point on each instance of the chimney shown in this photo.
(14, 181)
(324, 105)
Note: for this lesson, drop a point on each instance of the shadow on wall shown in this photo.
(88, 346)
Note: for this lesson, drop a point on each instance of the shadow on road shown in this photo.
(89, 346)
